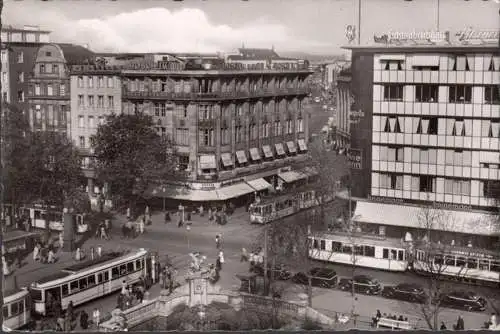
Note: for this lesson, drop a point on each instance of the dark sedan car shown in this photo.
(405, 291)
(464, 300)
(280, 271)
(362, 284)
(320, 277)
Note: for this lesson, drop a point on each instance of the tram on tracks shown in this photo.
(16, 310)
(89, 280)
(370, 251)
(41, 215)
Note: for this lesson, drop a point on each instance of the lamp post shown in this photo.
(163, 189)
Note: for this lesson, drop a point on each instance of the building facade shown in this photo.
(429, 137)
(344, 103)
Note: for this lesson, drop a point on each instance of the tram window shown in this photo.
(449, 260)
(322, 244)
(138, 264)
(315, 243)
(83, 283)
(106, 276)
(346, 249)
(385, 253)
(91, 280)
(394, 254)
(370, 251)
(130, 267)
(336, 246)
(484, 264)
(65, 290)
(6, 311)
(73, 286)
(123, 270)
(21, 306)
(472, 263)
(358, 250)
(36, 295)
(495, 266)
(438, 259)
(460, 262)
(400, 255)
(115, 273)
(38, 214)
(99, 278)
(14, 309)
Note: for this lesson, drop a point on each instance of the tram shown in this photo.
(42, 215)
(16, 310)
(89, 280)
(464, 264)
(362, 250)
(275, 208)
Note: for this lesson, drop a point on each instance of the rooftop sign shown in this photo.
(484, 35)
(466, 36)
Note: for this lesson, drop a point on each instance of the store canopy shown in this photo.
(279, 149)
(302, 145)
(259, 184)
(226, 159)
(413, 216)
(292, 176)
(291, 146)
(234, 190)
(183, 193)
(242, 157)
(207, 162)
(268, 153)
(254, 153)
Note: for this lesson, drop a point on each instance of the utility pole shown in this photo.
(265, 259)
(359, 22)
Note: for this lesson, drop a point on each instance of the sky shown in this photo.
(311, 26)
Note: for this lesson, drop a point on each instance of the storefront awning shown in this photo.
(242, 157)
(234, 190)
(259, 184)
(183, 193)
(254, 153)
(279, 149)
(268, 153)
(310, 171)
(207, 162)
(409, 216)
(226, 159)
(291, 147)
(292, 176)
(302, 145)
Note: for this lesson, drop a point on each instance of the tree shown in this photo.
(131, 156)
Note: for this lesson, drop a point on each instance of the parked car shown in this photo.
(362, 284)
(280, 271)
(320, 277)
(465, 300)
(405, 291)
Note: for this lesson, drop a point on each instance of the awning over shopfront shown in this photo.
(279, 149)
(234, 190)
(408, 216)
(207, 162)
(242, 157)
(259, 184)
(310, 171)
(254, 153)
(268, 153)
(226, 159)
(292, 176)
(291, 146)
(302, 145)
(183, 193)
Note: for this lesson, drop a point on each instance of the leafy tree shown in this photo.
(131, 156)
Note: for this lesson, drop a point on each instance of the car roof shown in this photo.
(366, 277)
(409, 286)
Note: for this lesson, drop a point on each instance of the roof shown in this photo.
(52, 277)
(91, 263)
(76, 54)
(256, 54)
(416, 48)
(25, 29)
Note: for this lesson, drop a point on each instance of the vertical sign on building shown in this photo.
(355, 158)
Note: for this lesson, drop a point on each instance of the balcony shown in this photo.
(214, 96)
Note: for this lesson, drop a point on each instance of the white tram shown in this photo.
(41, 215)
(282, 206)
(89, 280)
(16, 310)
(370, 251)
(463, 264)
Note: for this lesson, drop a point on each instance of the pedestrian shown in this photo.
(210, 214)
(107, 225)
(218, 265)
(36, 252)
(179, 224)
(78, 254)
(99, 251)
(51, 257)
(146, 211)
(189, 216)
(167, 217)
(124, 288)
(61, 240)
(221, 257)
(244, 255)
(141, 225)
(129, 213)
(96, 315)
(201, 210)
(493, 320)
(130, 229)
(217, 241)
(443, 326)
(84, 320)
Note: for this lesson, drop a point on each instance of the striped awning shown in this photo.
(207, 162)
(183, 193)
(268, 153)
(254, 153)
(226, 159)
(234, 190)
(279, 149)
(242, 157)
(291, 147)
(302, 145)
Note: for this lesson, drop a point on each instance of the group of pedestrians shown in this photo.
(379, 315)
(131, 295)
(102, 231)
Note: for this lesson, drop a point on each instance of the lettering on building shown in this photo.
(355, 158)
(470, 34)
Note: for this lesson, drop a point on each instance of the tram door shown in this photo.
(53, 300)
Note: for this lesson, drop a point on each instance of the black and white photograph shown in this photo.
(238, 165)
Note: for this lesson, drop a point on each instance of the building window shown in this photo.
(493, 129)
(492, 94)
(426, 93)
(110, 82)
(55, 68)
(81, 103)
(20, 96)
(427, 183)
(4, 97)
(277, 128)
(238, 134)
(392, 125)
(181, 110)
(157, 109)
(395, 154)
(82, 141)
(491, 189)
(163, 110)
(91, 100)
(50, 90)
(81, 121)
(395, 65)
(252, 131)
(48, 54)
(458, 128)
(42, 68)
(80, 82)
(48, 68)
(111, 102)
(100, 83)
(90, 81)
(4, 78)
(4, 56)
(391, 181)
(20, 57)
(393, 92)
(205, 112)
(457, 187)
(206, 137)
(182, 137)
(428, 125)
(460, 63)
(37, 89)
(289, 126)
(21, 77)
(265, 129)
(460, 94)
(100, 101)
(91, 122)
(224, 136)
(62, 89)
(102, 120)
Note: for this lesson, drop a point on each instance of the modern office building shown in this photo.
(428, 138)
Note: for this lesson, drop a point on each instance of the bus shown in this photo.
(463, 264)
(16, 310)
(89, 280)
(42, 215)
(371, 251)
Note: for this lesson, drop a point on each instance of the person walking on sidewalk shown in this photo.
(84, 320)
(218, 241)
(244, 255)
(129, 213)
(96, 315)
(221, 259)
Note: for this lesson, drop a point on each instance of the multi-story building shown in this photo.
(344, 104)
(428, 137)
(95, 93)
(49, 91)
(237, 127)
(19, 47)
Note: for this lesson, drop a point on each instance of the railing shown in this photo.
(137, 313)
(281, 305)
(149, 94)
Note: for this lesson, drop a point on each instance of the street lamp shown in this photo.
(163, 189)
